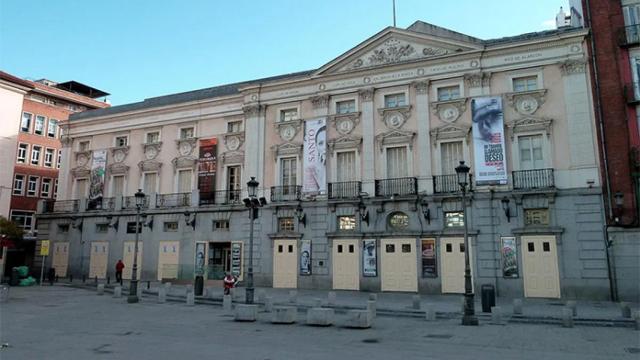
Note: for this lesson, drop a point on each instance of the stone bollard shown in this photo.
(636, 317)
(4, 293)
(430, 313)
(517, 306)
(415, 299)
(373, 297)
(117, 291)
(191, 299)
(162, 295)
(625, 310)
(227, 304)
(496, 315)
(317, 303)
(567, 317)
(462, 304)
(293, 296)
(260, 295)
(100, 289)
(246, 312)
(331, 298)
(572, 305)
(284, 315)
(371, 307)
(268, 304)
(210, 292)
(188, 289)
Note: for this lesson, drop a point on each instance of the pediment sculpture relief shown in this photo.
(393, 51)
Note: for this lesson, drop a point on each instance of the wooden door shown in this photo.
(285, 264)
(399, 271)
(346, 265)
(540, 267)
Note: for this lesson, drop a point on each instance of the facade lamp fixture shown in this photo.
(190, 219)
(426, 212)
(364, 213)
(302, 217)
(505, 207)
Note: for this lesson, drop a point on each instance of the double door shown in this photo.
(452, 259)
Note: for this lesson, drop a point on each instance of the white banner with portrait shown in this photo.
(96, 189)
(305, 257)
(369, 258)
(314, 164)
(488, 140)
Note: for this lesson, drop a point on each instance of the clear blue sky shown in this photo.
(140, 49)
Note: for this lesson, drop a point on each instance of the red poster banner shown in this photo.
(207, 166)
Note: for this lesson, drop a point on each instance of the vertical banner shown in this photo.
(369, 258)
(488, 140)
(305, 257)
(236, 259)
(96, 189)
(199, 265)
(207, 164)
(315, 146)
(509, 257)
(429, 268)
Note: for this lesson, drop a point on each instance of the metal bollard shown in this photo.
(416, 302)
(496, 315)
(625, 309)
(331, 298)
(572, 305)
(567, 317)
(517, 306)
(430, 313)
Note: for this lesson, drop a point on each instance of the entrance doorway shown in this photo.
(99, 259)
(399, 265)
(219, 260)
(346, 265)
(540, 270)
(285, 264)
(452, 255)
(60, 259)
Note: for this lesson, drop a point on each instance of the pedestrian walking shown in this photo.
(119, 267)
(229, 282)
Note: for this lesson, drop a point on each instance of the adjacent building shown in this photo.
(356, 160)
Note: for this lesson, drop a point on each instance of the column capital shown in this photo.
(366, 94)
(570, 67)
(253, 110)
(422, 86)
(320, 101)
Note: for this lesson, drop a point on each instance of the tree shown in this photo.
(10, 230)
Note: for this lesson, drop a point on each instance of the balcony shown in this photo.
(632, 93)
(345, 190)
(61, 206)
(533, 179)
(222, 197)
(129, 202)
(629, 35)
(397, 187)
(102, 204)
(285, 193)
(447, 184)
(173, 200)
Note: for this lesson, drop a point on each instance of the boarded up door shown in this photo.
(540, 260)
(168, 260)
(60, 260)
(399, 271)
(127, 259)
(452, 259)
(99, 259)
(346, 265)
(285, 264)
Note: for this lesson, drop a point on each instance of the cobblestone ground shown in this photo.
(67, 323)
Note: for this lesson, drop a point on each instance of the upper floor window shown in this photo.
(122, 141)
(23, 219)
(345, 107)
(39, 126)
(84, 145)
(35, 155)
(288, 114)
(450, 155)
(187, 133)
(153, 137)
(32, 186)
(346, 166)
(631, 15)
(18, 185)
(48, 157)
(234, 126)
(288, 171)
(530, 150)
(52, 129)
(525, 83)
(45, 190)
(454, 219)
(285, 224)
(22, 153)
(346, 222)
(449, 93)
(59, 159)
(25, 124)
(397, 165)
(394, 100)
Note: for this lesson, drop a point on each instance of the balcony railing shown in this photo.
(533, 179)
(102, 204)
(222, 197)
(129, 202)
(173, 200)
(285, 193)
(397, 187)
(629, 35)
(345, 190)
(446, 184)
(57, 206)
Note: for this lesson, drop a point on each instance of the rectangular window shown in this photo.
(81, 189)
(153, 137)
(39, 126)
(397, 162)
(22, 153)
(48, 157)
(59, 159)
(25, 124)
(170, 226)
(390, 248)
(187, 133)
(52, 129)
(525, 83)
(449, 93)
(288, 171)
(394, 100)
(102, 228)
(84, 145)
(285, 224)
(150, 182)
(35, 154)
(221, 225)
(234, 180)
(450, 154)
(55, 188)
(45, 190)
(131, 227)
(23, 219)
(117, 185)
(346, 166)
(346, 107)
(536, 217)
(18, 185)
(32, 186)
(406, 248)
(234, 126)
(530, 149)
(63, 228)
(346, 222)
(288, 114)
(121, 141)
(454, 219)
(184, 181)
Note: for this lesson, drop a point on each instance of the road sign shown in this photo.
(44, 248)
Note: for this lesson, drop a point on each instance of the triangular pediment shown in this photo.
(392, 46)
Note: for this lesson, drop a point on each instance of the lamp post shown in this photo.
(253, 203)
(469, 317)
(133, 288)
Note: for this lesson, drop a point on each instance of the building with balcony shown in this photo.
(356, 160)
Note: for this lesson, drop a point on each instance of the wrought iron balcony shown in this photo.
(446, 184)
(286, 193)
(345, 190)
(102, 204)
(533, 179)
(129, 202)
(222, 197)
(57, 206)
(397, 187)
(629, 35)
(173, 200)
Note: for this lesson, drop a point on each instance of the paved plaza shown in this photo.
(62, 322)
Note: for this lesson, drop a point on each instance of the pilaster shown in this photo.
(368, 146)
(423, 155)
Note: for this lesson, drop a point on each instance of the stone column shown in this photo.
(423, 155)
(368, 143)
(65, 181)
(254, 142)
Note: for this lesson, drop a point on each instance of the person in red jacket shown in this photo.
(119, 267)
(229, 282)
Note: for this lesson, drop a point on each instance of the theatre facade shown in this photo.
(356, 161)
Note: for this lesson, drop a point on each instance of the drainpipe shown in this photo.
(496, 243)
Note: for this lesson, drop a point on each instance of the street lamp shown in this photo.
(469, 317)
(253, 203)
(133, 288)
